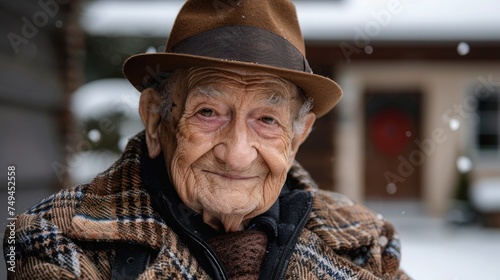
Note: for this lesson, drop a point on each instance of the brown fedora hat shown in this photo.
(259, 35)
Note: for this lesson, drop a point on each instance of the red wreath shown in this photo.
(391, 131)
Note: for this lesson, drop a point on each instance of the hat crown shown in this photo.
(276, 16)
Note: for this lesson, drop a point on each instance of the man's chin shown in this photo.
(228, 221)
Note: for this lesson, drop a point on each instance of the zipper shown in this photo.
(214, 260)
(210, 253)
(290, 245)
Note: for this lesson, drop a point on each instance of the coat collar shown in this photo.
(115, 207)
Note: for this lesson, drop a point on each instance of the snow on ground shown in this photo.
(435, 250)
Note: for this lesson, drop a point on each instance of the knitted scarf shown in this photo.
(241, 253)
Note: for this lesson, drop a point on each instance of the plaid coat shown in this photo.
(73, 233)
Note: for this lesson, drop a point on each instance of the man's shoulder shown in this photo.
(66, 199)
(51, 216)
(338, 219)
(58, 209)
(355, 233)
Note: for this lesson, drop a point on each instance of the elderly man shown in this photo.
(210, 189)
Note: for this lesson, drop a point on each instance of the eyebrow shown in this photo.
(206, 91)
(276, 98)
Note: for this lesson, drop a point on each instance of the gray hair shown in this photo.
(299, 121)
(165, 90)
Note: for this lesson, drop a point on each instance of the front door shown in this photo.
(392, 126)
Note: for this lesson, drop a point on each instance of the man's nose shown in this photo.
(237, 147)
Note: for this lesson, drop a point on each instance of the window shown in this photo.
(488, 128)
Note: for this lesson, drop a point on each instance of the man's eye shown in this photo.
(206, 112)
(268, 120)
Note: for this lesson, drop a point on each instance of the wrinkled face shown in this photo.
(230, 144)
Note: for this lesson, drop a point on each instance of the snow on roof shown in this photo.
(99, 98)
(381, 20)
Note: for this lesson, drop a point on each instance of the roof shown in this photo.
(378, 20)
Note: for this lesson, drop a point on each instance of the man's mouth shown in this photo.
(231, 175)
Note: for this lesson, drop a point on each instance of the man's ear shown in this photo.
(299, 138)
(150, 98)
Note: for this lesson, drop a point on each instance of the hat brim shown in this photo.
(141, 70)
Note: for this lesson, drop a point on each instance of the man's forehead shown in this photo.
(198, 75)
(213, 82)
